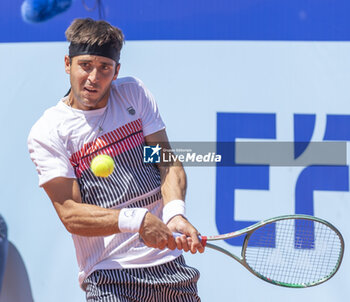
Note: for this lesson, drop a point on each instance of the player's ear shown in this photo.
(117, 68)
(67, 63)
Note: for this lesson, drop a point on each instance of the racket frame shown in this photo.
(252, 228)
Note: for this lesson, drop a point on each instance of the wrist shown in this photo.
(173, 208)
(130, 219)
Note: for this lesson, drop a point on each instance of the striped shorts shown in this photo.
(170, 282)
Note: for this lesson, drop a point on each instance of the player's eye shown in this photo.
(85, 65)
(105, 67)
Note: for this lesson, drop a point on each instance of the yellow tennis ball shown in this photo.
(102, 165)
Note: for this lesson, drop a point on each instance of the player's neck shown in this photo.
(80, 105)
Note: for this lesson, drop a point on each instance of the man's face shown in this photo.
(90, 78)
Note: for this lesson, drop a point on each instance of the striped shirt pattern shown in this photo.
(172, 281)
(131, 177)
(132, 184)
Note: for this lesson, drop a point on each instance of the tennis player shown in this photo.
(121, 225)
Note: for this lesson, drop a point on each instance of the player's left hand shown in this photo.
(189, 241)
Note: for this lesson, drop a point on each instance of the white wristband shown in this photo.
(130, 219)
(173, 208)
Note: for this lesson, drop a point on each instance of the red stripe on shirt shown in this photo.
(112, 143)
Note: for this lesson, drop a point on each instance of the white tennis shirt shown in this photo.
(63, 142)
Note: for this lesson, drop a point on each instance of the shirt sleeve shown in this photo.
(49, 155)
(149, 113)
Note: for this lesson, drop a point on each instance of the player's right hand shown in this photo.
(155, 233)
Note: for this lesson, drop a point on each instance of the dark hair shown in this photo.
(92, 32)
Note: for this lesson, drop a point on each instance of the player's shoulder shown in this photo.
(128, 83)
(49, 121)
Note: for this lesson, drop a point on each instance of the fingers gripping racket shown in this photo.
(292, 251)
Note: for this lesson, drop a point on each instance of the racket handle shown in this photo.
(202, 239)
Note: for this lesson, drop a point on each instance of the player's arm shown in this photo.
(79, 218)
(173, 188)
(90, 220)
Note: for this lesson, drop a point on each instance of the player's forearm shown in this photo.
(90, 220)
(174, 182)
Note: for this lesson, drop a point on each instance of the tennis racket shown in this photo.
(293, 251)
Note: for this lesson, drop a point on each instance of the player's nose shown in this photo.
(93, 75)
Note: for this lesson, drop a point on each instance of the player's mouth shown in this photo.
(90, 90)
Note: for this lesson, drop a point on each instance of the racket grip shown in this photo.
(202, 239)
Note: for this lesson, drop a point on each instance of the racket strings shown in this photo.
(294, 251)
